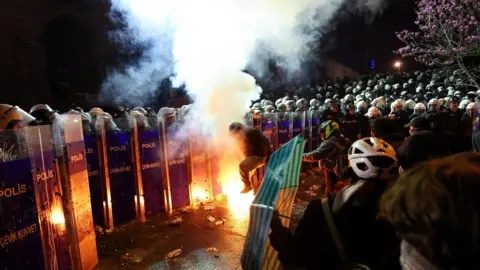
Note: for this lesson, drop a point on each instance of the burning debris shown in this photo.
(173, 254)
(175, 221)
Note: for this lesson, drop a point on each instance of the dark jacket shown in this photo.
(351, 126)
(366, 238)
(476, 143)
(395, 139)
(330, 154)
(400, 119)
(255, 144)
(452, 121)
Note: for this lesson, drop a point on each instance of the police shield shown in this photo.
(175, 158)
(268, 128)
(151, 190)
(20, 238)
(284, 127)
(200, 167)
(48, 189)
(122, 183)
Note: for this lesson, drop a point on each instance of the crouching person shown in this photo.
(343, 231)
(255, 148)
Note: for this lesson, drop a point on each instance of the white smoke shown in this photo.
(212, 42)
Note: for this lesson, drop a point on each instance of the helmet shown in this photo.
(43, 113)
(373, 112)
(140, 110)
(10, 114)
(419, 109)
(282, 107)
(270, 108)
(464, 103)
(165, 111)
(349, 98)
(433, 104)
(372, 158)
(395, 106)
(314, 103)
(290, 105)
(267, 102)
(361, 106)
(328, 127)
(410, 104)
(96, 111)
(302, 104)
(278, 102)
(401, 102)
(379, 102)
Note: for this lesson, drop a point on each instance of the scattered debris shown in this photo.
(314, 187)
(174, 253)
(175, 221)
(99, 230)
(219, 222)
(303, 181)
(110, 230)
(311, 193)
(211, 219)
(212, 249)
(135, 255)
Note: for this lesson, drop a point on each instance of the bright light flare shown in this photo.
(397, 64)
(57, 217)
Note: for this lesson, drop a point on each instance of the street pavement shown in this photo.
(146, 246)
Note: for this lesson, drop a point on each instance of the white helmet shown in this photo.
(361, 105)
(433, 104)
(401, 102)
(379, 102)
(278, 102)
(410, 104)
(363, 155)
(464, 103)
(10, 113)
(96, 111)
(395, 104)
(140, 110)
(165, 111)
(419, 109)
(373, 111)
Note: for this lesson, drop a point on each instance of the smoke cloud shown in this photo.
(207, 44)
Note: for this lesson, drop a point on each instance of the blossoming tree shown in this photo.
(448, 32)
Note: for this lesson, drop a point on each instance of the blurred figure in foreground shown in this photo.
(255, 148)
(434, 208)
(363, 240)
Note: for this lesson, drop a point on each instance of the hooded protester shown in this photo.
(384, 129)
(422, 146)
(255, 148)
(343, 232)
(434, 208)
(330, 154)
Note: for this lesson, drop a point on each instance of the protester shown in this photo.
(331, 154)
(418, 124)
(434, 209)
(366, 239)
(384, 129)
(255, 148)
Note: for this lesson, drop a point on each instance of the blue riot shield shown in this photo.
(151, 172)
(284, 128)
(48, 190)
(122, 182)
(269, 127)
(97, 188)
(20, 237)
(175, 154)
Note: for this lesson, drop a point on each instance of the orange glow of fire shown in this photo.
(57, 217)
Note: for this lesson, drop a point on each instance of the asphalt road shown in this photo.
(145, 246)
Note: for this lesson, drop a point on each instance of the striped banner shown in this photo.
(278, 191)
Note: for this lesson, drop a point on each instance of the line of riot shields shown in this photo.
(57, 182)
(281, 127)
(46, 220)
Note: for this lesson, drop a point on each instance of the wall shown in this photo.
(334, 69)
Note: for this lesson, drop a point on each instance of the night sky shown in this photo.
(357, 40)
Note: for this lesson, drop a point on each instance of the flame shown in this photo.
(57, 217)
(239, 204)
